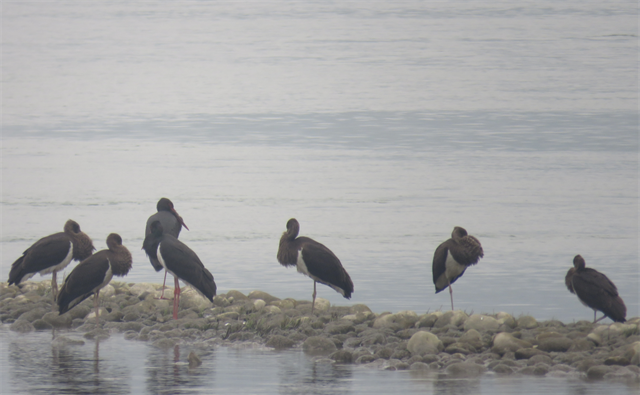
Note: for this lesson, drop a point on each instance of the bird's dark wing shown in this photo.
(83, 280)
(467, 250)
(184, 263)
(439, 261)
(322, 263)
(568, 279)
(598, 292)
(44, 253)
(170, 223)
(150, 247)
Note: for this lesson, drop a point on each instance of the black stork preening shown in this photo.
(595, 290)
(180, 261)
(172, 224)
(94, 273)
(453, 257)
(314, 260)
(52, 254)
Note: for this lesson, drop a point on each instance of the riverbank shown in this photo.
(450, 342)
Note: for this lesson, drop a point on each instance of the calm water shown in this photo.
(379, 127)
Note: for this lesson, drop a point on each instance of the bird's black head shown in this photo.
(458, 232)
(578, 262)
(72, 226)
(164, 204)
(293, 227)
(156, 228)
(114, 240)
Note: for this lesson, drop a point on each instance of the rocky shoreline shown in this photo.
(450, 342)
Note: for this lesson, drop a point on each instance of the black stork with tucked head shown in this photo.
(595, 291)
(314, 260)
(453, 257)
(52, 254)
(180, 261)
(94, 273)
(172, 224)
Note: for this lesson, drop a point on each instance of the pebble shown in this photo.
(450, 343)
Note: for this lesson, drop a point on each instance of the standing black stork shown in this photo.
(172, 224)
(314, 260)
(453, 257)
(94, 273)
(595, 290)
(52, 254)
(180, 261)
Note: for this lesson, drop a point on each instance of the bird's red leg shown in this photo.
(95, 304)
(163, 285)
(176, 299)
(54, 286)
(313, 303)
(451, 295)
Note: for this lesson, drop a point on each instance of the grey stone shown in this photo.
(581, 345)
(555, 344)
(194, 360)
(504, 342)
(419, 366)
(598, 371)
(33, 314)
(540, 358)
(501, 368)
(423, 342)
(465, 369)
(22, 326)
(318, 345)
(527, 322)
(58, 321)
(41, 325)
(262, 295)
(368, 358)
(481, 323)
(337, 327)
(427, 321)
(617, 360)
(526, 353)
(280, 342)
(342, 356)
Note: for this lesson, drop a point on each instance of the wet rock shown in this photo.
(342, 356)
(140, 288)
(540, 358)
(526, 353)
(633, 353)
(403, 319)
(617, 360)
(22, 326)
(262, 295)
(465, 369)
(540, 369)
(336, 327)
(501, 368)
(280, 342)
(423, 343)
(481, 323)
(33, 314)
(623, 374)
(460, 348)
(527, 322)
(581, 345)
(363, 359)
(57, 321)
(318, 345)
(428, 320)
(505, 342)
(506, 319)
(97, 334)
(41, 325)
(419, 366)
(555, 344)
(63, 341)
(598, 371)
(259, 304)
(455, 318)
(194, 360)
(165, 343)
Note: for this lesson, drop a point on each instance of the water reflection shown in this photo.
(71, 367)
(167, 371)
(303, 374)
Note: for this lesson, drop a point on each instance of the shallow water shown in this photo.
(379, 127)
(34, 363)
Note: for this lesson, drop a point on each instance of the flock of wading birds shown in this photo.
(53, 253)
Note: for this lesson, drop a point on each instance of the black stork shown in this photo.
(595, 291)
(453, 257)
(52, 254)
(172, 224)
(180, 261)
(313, 260)
(94, 273)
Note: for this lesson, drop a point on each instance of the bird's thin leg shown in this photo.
(163, 285)
(54, 285)
(313, 303)
(451, 295)
(176, 298)
(95, 304)
(599, 319)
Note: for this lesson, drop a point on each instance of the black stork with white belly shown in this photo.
(93, 274)
(172, 224)
(180, 261)
(595, 291)
(453, 257)
(52, 254)
(314, 260)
